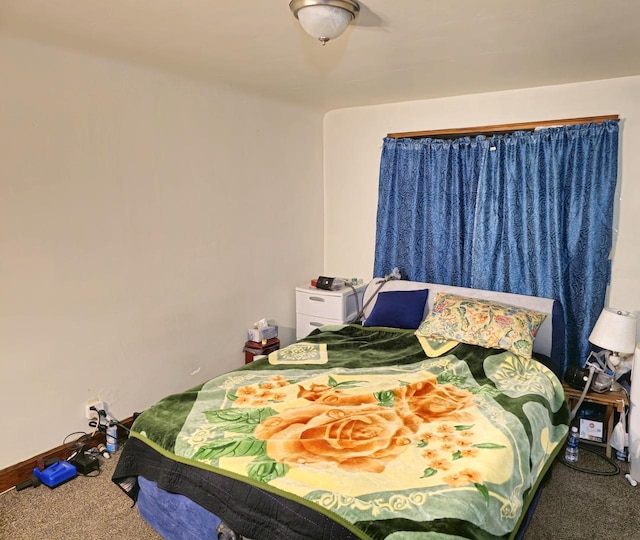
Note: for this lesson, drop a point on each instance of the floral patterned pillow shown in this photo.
(482, 322)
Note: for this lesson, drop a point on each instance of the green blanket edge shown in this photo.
(264, 487)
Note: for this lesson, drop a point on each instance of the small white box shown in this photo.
(258, 334)
(591, 430)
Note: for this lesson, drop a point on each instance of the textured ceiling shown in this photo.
(397, 50)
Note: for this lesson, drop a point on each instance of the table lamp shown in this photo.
(615, 331)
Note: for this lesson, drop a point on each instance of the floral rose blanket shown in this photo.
(363, 426)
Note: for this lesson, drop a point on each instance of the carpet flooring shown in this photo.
(84, 508)
(574, 505)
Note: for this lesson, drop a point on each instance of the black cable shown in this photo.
(83, 434)
(615, 471)
(78, 444)
(120, 424)
(101, 423)
(90, 475)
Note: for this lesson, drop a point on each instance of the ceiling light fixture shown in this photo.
(324, 19)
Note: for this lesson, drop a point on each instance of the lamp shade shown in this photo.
(615, 331)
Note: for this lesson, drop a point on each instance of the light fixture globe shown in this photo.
(324, 19)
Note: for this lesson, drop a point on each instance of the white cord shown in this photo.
(380, 284)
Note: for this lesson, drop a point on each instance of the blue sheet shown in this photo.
(175, 516)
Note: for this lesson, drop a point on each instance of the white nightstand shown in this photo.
(317, 307)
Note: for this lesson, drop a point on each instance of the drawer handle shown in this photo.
(316, 298)
(316, 324)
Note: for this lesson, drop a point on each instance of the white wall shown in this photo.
(145, 222)
(353, 141)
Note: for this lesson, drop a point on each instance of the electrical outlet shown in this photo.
(93, 403)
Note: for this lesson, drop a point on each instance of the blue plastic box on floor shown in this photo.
(56, 474)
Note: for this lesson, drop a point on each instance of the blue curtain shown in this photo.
(426, 204)
(528, 213)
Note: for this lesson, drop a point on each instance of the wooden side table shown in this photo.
(254, 348)
(613, 401)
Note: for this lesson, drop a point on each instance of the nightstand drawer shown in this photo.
(320, 305)
(317, 307)
(305, 324)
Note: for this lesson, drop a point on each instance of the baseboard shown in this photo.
(19, 472)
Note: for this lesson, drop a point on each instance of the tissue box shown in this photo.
(258, 334)
(591, 430)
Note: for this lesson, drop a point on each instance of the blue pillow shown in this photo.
(398, 309)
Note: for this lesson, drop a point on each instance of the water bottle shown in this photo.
(571, 453)
(112, 438)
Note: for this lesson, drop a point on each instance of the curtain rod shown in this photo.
(501, 128)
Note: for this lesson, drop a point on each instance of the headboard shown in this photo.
(549, 340)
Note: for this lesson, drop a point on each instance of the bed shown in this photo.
(438, 417)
